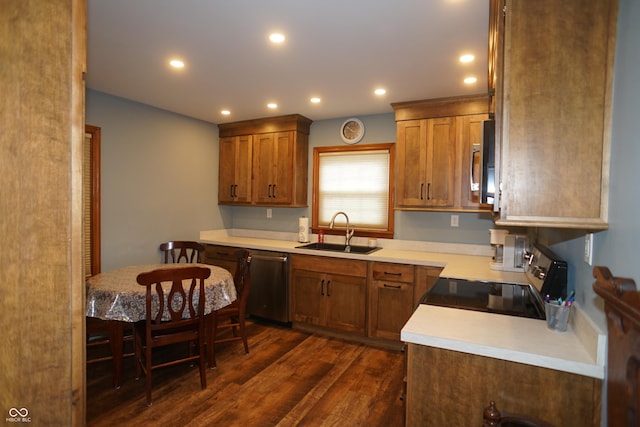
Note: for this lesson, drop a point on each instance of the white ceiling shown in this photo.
(338, 50)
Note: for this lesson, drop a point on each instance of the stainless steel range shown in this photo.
(545, 271)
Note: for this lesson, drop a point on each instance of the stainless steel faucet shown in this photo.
(349, 232)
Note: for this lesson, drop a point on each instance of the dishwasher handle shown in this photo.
(276, 258)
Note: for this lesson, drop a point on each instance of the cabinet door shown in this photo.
(555, 121)
(308, 297)
(441, 155)
(425, 151)
(273, 164)
(470, 135)
(347, 303)
(234, 179)
(391, 307)
(411, 164)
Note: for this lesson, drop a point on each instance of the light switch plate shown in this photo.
(455, 220)
(269, 213)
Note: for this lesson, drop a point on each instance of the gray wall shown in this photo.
(159, 178)
(616, 247)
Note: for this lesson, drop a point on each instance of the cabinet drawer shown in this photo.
(393, 272)
(320, 264)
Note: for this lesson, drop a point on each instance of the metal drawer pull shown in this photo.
(392, 286)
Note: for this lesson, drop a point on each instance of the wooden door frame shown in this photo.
(94, 131)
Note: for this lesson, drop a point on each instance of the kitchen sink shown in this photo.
(332, 247)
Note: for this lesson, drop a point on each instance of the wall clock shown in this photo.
(352, 131)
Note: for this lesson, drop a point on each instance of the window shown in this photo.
(357, 181)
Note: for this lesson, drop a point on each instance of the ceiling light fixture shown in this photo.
(470, 80)
(315, 100)
(176, 63)
(272, 105)
(276, 37)
(467, 58)
(225, 112)
(380, 91)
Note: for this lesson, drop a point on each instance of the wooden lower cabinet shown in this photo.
(390, 299)
(220, 256)
(447, 387)
(329, 292)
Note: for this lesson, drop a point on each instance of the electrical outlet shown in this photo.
(588, 248)
(455, 220)
(269, 213)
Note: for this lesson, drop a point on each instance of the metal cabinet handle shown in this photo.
(474, 180)
(274, 191)
(392, 286)
(322, 287)
(421, 191)
(328, 288)
(429, 191)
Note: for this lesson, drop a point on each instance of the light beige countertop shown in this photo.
(459, 261)
(579, 350)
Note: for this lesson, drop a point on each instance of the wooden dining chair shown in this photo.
(232, 316)
(622, 308)
(174, 314)
(102, 343)
(182, 251)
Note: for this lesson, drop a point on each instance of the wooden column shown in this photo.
(43, 51)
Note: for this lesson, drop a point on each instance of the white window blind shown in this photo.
(356, 183)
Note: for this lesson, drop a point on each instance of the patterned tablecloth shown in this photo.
(115, 295)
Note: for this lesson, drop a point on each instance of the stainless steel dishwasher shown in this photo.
(269, 292)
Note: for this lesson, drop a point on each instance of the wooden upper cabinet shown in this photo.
(553, 111)
(426, 152)
(234, 182)
(264, 161)
(273, 166)
(434, 159)
(411, 161)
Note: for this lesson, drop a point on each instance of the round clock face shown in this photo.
(352, 131)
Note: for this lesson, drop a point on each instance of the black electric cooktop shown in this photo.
(502, 298)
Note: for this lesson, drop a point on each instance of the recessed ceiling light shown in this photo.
(467, 58)
(470, 80)
(225, 112)
(176, 63)
(276, 37)
(380, 91)
(272, 105)
(315, 100)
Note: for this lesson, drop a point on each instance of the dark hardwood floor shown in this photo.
(289, 378)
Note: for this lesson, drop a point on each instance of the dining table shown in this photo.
(116, 296)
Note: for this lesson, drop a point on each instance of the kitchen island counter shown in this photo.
(580, 350)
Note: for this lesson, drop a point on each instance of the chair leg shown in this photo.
(147, 363)
(211, 326)
(243, 334)
(203, 368)
(137, 350)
